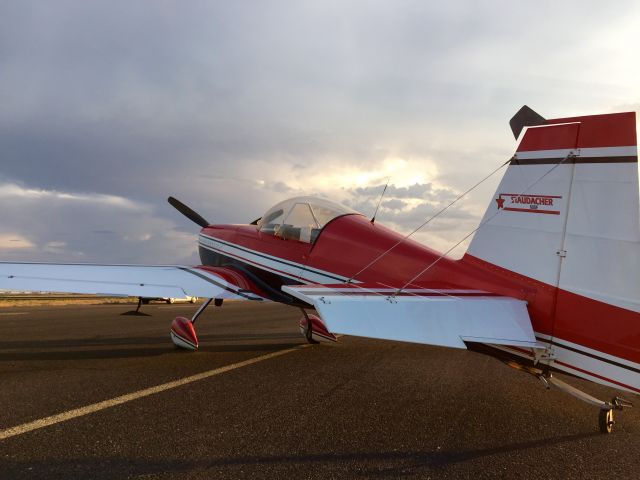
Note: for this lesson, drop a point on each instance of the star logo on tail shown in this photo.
(500, 202)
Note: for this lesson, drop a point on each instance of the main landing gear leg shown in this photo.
(183, 334)
(139, 305)
(605, 415)
(306, 327)
(314, 330)
(137, 311)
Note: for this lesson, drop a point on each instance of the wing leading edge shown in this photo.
(446, 317)
(130, 280)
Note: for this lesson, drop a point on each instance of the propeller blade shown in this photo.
(187, 212)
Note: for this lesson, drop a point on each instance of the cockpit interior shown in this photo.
(301, 218)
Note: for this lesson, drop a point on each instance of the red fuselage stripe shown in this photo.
(573, 367)
(287, 274)
(529, 210)
(637, 390)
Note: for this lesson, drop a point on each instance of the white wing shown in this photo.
(432, 316)
(131, 280)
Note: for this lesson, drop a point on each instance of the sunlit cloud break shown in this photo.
(14, 241)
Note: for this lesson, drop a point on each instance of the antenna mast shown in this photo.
(373, 219)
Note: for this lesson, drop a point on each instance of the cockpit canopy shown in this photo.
(300, 218)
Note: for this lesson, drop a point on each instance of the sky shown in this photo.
(108, 107)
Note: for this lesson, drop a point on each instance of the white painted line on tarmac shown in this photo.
(96, 407)
(6, 314)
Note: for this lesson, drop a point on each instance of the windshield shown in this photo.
(300, 218)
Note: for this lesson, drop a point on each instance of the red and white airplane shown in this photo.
(550, 282)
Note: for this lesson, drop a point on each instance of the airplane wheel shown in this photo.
(309, 333)
(171, 300)
(605, 421)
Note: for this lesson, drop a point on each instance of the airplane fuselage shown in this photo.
(584, 337)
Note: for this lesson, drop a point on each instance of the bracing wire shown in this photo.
(432, 264)
(437, 214)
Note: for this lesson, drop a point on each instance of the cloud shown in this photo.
(14, 241)
(55, 247)
(60, 226)
(232, 107)
(416, 190)
(278, 186)
(394, 204)
(12, 192)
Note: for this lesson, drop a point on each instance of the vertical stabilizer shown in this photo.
(566, 212)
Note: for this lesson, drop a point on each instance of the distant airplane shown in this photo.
(550, 282)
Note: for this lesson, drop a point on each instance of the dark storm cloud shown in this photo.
(231, 105)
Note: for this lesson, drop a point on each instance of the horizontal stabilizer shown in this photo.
(525, 117)
(130, 280)
(430, 316)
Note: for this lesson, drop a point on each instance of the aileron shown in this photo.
(446, 317)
